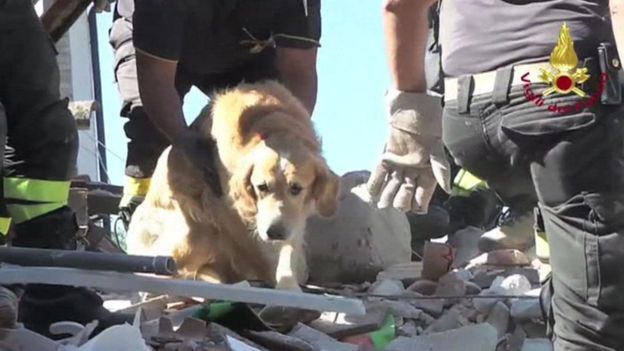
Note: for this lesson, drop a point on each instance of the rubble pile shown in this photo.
(454, 299)
(491, 303)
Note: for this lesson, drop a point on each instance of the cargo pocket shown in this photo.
(528, 123)
(567, 232)
(606, 261)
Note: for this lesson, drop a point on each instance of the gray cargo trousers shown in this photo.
(575, 161)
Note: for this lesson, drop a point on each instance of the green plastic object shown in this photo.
(214, 311)
(383, 336)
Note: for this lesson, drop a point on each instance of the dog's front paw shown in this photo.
(288, 283)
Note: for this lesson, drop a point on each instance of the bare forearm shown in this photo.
(160, 99)
(297, 71)
(406, 29)
(304, 86)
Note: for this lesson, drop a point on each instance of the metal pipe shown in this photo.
(114, 281)
(162, 265)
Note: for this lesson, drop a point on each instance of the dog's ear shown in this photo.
(325, 190)
(241, 190)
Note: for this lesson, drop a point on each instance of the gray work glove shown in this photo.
(413, 160)
(201, 152)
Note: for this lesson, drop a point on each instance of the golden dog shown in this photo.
(274, 177)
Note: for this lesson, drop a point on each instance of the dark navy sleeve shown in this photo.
(159, 28)
(298, 28)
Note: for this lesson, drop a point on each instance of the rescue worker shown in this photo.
(43, 143)
(174, 45)
(506, 114)
(514, 225)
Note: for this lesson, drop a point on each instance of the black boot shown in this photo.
(42, 305)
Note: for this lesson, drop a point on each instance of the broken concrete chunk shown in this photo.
(515, 284)
(451, 284)
(463, 274)
(23, 339)
(484, 305)
(530, 273)
(400, 309)
(526, 309)
(507, 257)
(472, 288)
(8, 308)
(82, 112)
(537, 345)
(465, 241)
(360, 240)
(484, 276)
(340, 325)
(387, 287)
(119, 337)
(516, 339)
(431, 306)
(322, 341)
(437, 260)
(277, 341)
(424, 287)
(408, 329)
(499, 318)
(402, 271)
(222, 334)
(237, 345)
(480, 337)
(451, 319)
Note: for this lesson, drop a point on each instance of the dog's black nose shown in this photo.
(276, 231)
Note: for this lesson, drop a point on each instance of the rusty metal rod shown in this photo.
(161, 265)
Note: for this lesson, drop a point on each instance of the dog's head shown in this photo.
(283, 182)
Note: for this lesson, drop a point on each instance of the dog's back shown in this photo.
(241, 117)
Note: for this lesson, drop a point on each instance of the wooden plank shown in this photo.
(61, 16)
(114, 281)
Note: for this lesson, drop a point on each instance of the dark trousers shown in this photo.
(146, 142)
(40, 128)
(41, 146)
(41, 132)
(575, 162)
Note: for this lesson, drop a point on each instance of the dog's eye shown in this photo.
(263, 187)
(295, 189)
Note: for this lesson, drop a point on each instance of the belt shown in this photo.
(483, 83)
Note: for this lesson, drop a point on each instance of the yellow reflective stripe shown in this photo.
(5, 223)
(467, 181)
(136, 186)
(22, 213)
(456, 191)
(36, 189)
(542, 249)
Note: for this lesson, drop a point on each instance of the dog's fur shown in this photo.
(274, 177)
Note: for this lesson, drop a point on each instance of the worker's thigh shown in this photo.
(40, 127)
(124, 64)
(580, 181)
(473, 141)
